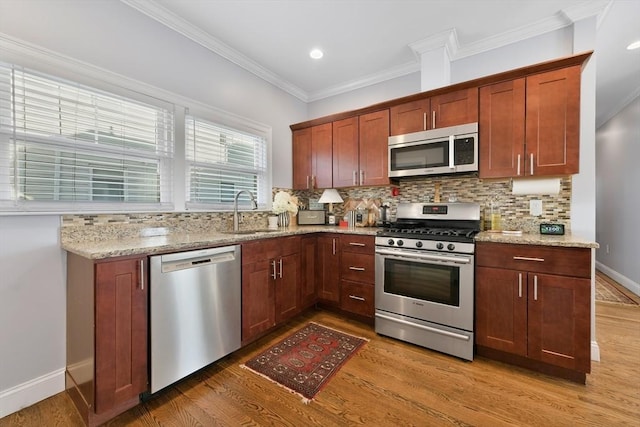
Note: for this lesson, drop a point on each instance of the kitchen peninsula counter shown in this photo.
(567, 240)
(176, 241)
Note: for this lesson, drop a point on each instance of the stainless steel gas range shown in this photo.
(424, 267)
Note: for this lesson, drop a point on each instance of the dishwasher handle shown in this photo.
(195, 259)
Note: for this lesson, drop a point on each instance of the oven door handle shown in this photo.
(424, 257)
(424, 328)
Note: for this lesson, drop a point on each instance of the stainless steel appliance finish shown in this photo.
(434, 152)
(424, 270)
(308, 217)
(195, 310)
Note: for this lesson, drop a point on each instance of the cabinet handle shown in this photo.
(308, 188)
(355, 177)
(356, 268)
(451, 149)
(424, 121)
(313, 182)
(142, 275)
(273, 264)
(356, 244)
(531, 163)
(535, 287)
(519, 285)
(518, 165)
(361, 177)
(334, 245)
(433, 119)
(280, 262)
(524, 258)
(356, 297)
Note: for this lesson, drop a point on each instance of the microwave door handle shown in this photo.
(423, 257)
(451, 144)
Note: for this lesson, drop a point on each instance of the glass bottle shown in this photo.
(495, 216)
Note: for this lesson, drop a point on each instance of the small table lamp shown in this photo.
(330, 196)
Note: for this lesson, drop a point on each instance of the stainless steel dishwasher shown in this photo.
(195, 311)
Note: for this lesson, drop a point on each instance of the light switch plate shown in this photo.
(535, 207)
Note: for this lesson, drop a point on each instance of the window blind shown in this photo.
(65, 146)
(222, 161)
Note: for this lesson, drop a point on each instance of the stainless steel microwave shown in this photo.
(434, 152)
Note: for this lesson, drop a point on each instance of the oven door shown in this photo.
(432, 286)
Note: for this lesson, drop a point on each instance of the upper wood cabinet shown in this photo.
(530, 126)
(439, 111)
(360, 150)
(312, 157)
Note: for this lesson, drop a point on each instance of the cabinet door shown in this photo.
(502, 128)
(501, 309)
(553, 122)
(120, 332)
(455, 108)
(559, 321)
(374, 143)
(328, 268)
(410, 117)
(321, 156)
(287, 287)
(258, 298)
(345, 152)
(308, 259)
(301, 151)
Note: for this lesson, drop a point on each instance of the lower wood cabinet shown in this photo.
(328, 268)
(270, 284)
(106, 335)
(533, 307)
(357, 274)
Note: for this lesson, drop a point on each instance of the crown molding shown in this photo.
(447, 39)
(181, 26)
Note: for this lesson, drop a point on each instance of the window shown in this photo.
(66, 146)
(222, 161)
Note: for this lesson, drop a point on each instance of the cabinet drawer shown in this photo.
(357, 267)
(357, 298)
(574, 262)
(358, 244)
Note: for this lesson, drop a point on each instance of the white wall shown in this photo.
(618, 196)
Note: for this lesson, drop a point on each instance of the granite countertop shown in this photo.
(568, 240)
(179, 241)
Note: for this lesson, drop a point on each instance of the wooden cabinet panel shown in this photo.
(501, 310)
(502, 129)
(410, 117)
(312, 151)
(543, 259)
(374, 143)
(454, 108)
(357, 244)
(301, 153)
(258, 298)
(559, 321)
(328, 268)
(345, 152)
(308, 261)
(287, 287)
(553, 122)
(357, 298)
(357, 267)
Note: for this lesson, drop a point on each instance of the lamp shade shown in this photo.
(330, 195)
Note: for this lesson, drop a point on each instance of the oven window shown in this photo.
(427, 282)
(420, 156)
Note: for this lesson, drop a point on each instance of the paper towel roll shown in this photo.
(535, 186)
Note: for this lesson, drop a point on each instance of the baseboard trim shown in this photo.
(31, 392)
(595, 351)
(623, 280)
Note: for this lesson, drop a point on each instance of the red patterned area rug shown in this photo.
(305, 361)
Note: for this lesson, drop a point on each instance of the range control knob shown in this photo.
(451, 246)
(390, 242)
(400, 243)
(439, 246)
(418, 244)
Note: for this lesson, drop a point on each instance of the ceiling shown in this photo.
(369, 41)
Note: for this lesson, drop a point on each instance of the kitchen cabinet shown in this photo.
(312, 157)
(106, 335)
(530, 126)
(308, 261)
(449, 109)
(270, 284)
(357, 274)
(328, 268)
(360, 153)
(533, 307)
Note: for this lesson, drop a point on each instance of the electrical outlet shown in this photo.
(535, 207)
(607, 248)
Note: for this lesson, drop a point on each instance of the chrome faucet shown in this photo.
(236, 218)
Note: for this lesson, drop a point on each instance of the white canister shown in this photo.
(273, 222)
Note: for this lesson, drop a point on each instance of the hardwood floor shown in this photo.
(392, 383)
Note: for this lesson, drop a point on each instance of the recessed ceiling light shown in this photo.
(634, 45)
(316, 54)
